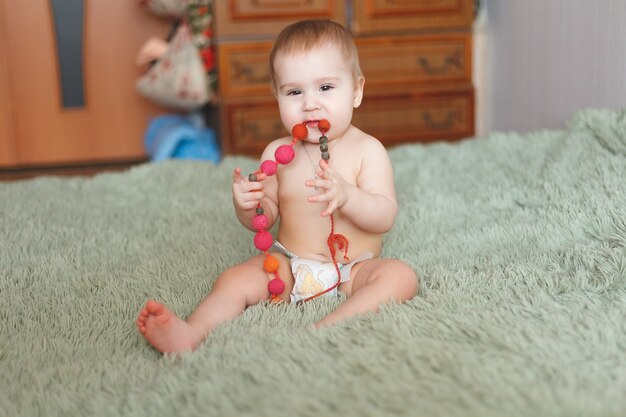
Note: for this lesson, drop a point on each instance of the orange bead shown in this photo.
(300, 131)
(270, 264)
(275, 299)
(323, 125)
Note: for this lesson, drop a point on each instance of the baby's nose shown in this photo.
(311, 103)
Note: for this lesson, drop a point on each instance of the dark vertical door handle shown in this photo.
(68, 17)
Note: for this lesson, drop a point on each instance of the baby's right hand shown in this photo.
(247, 194)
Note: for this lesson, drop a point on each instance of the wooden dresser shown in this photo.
(415, 55)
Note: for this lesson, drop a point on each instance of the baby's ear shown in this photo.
(358, 91)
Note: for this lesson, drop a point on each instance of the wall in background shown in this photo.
(538, 61)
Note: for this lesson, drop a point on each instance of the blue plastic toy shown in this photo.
(181, 137)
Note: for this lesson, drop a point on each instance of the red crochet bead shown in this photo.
(263, 240)
(268, 167)
(260, 222)
(299, 131)
(284, 154)
(276, 286)
(323, 125)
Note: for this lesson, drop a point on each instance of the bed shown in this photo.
(519, 241)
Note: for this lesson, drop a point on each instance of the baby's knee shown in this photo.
(244, 275)
(405, 278)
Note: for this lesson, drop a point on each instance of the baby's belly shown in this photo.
(311, 241)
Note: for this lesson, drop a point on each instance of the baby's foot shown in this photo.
(163, 330)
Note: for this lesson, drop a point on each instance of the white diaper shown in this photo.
(312, 277)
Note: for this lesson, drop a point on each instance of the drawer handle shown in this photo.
(445, 124)
(451, 61)
(244, 74)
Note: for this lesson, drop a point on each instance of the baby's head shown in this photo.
(306, 35)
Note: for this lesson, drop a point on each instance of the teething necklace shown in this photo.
(306, 151)
(263, 240)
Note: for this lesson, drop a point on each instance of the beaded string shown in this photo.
(263, 240)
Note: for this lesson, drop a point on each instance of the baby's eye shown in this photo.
(326, 87)
(294, 92)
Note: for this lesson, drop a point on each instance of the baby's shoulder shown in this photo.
(271, 147)
(366, 144)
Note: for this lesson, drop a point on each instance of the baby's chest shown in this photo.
(292, 182)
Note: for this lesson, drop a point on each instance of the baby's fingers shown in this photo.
(237, 177)
(247, 201)
(324, 166)
(318, 183)
(332, 206)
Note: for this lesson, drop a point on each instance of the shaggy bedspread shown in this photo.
(519, 242)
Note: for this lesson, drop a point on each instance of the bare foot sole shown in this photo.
(163, 330)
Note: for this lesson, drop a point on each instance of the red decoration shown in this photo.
(263, 240)
(260, 222)
(270, 264)
(299, 131)
(284, 154)
(269, 167)
(208, 58)
(323, 126)
(276, 286)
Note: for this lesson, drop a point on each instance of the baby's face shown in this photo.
(316, 85)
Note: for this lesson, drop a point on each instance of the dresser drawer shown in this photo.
(389, 62)
(386, 16)
(244, 69)
(248, 126)
(240, 18)
(417, 118)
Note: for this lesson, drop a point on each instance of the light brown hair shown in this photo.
(305, 35)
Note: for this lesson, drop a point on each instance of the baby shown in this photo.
(315, 75)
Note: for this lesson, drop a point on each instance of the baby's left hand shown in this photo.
(336, 188)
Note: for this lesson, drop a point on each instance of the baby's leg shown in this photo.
(374, 282)
(237, 288)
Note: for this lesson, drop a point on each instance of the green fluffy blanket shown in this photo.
(519, 242)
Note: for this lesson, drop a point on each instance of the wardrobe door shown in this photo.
(67, 80)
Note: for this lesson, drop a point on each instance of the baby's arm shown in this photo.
(247, 195)
(371, 203)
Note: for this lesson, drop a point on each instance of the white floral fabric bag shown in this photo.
(178, 79)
